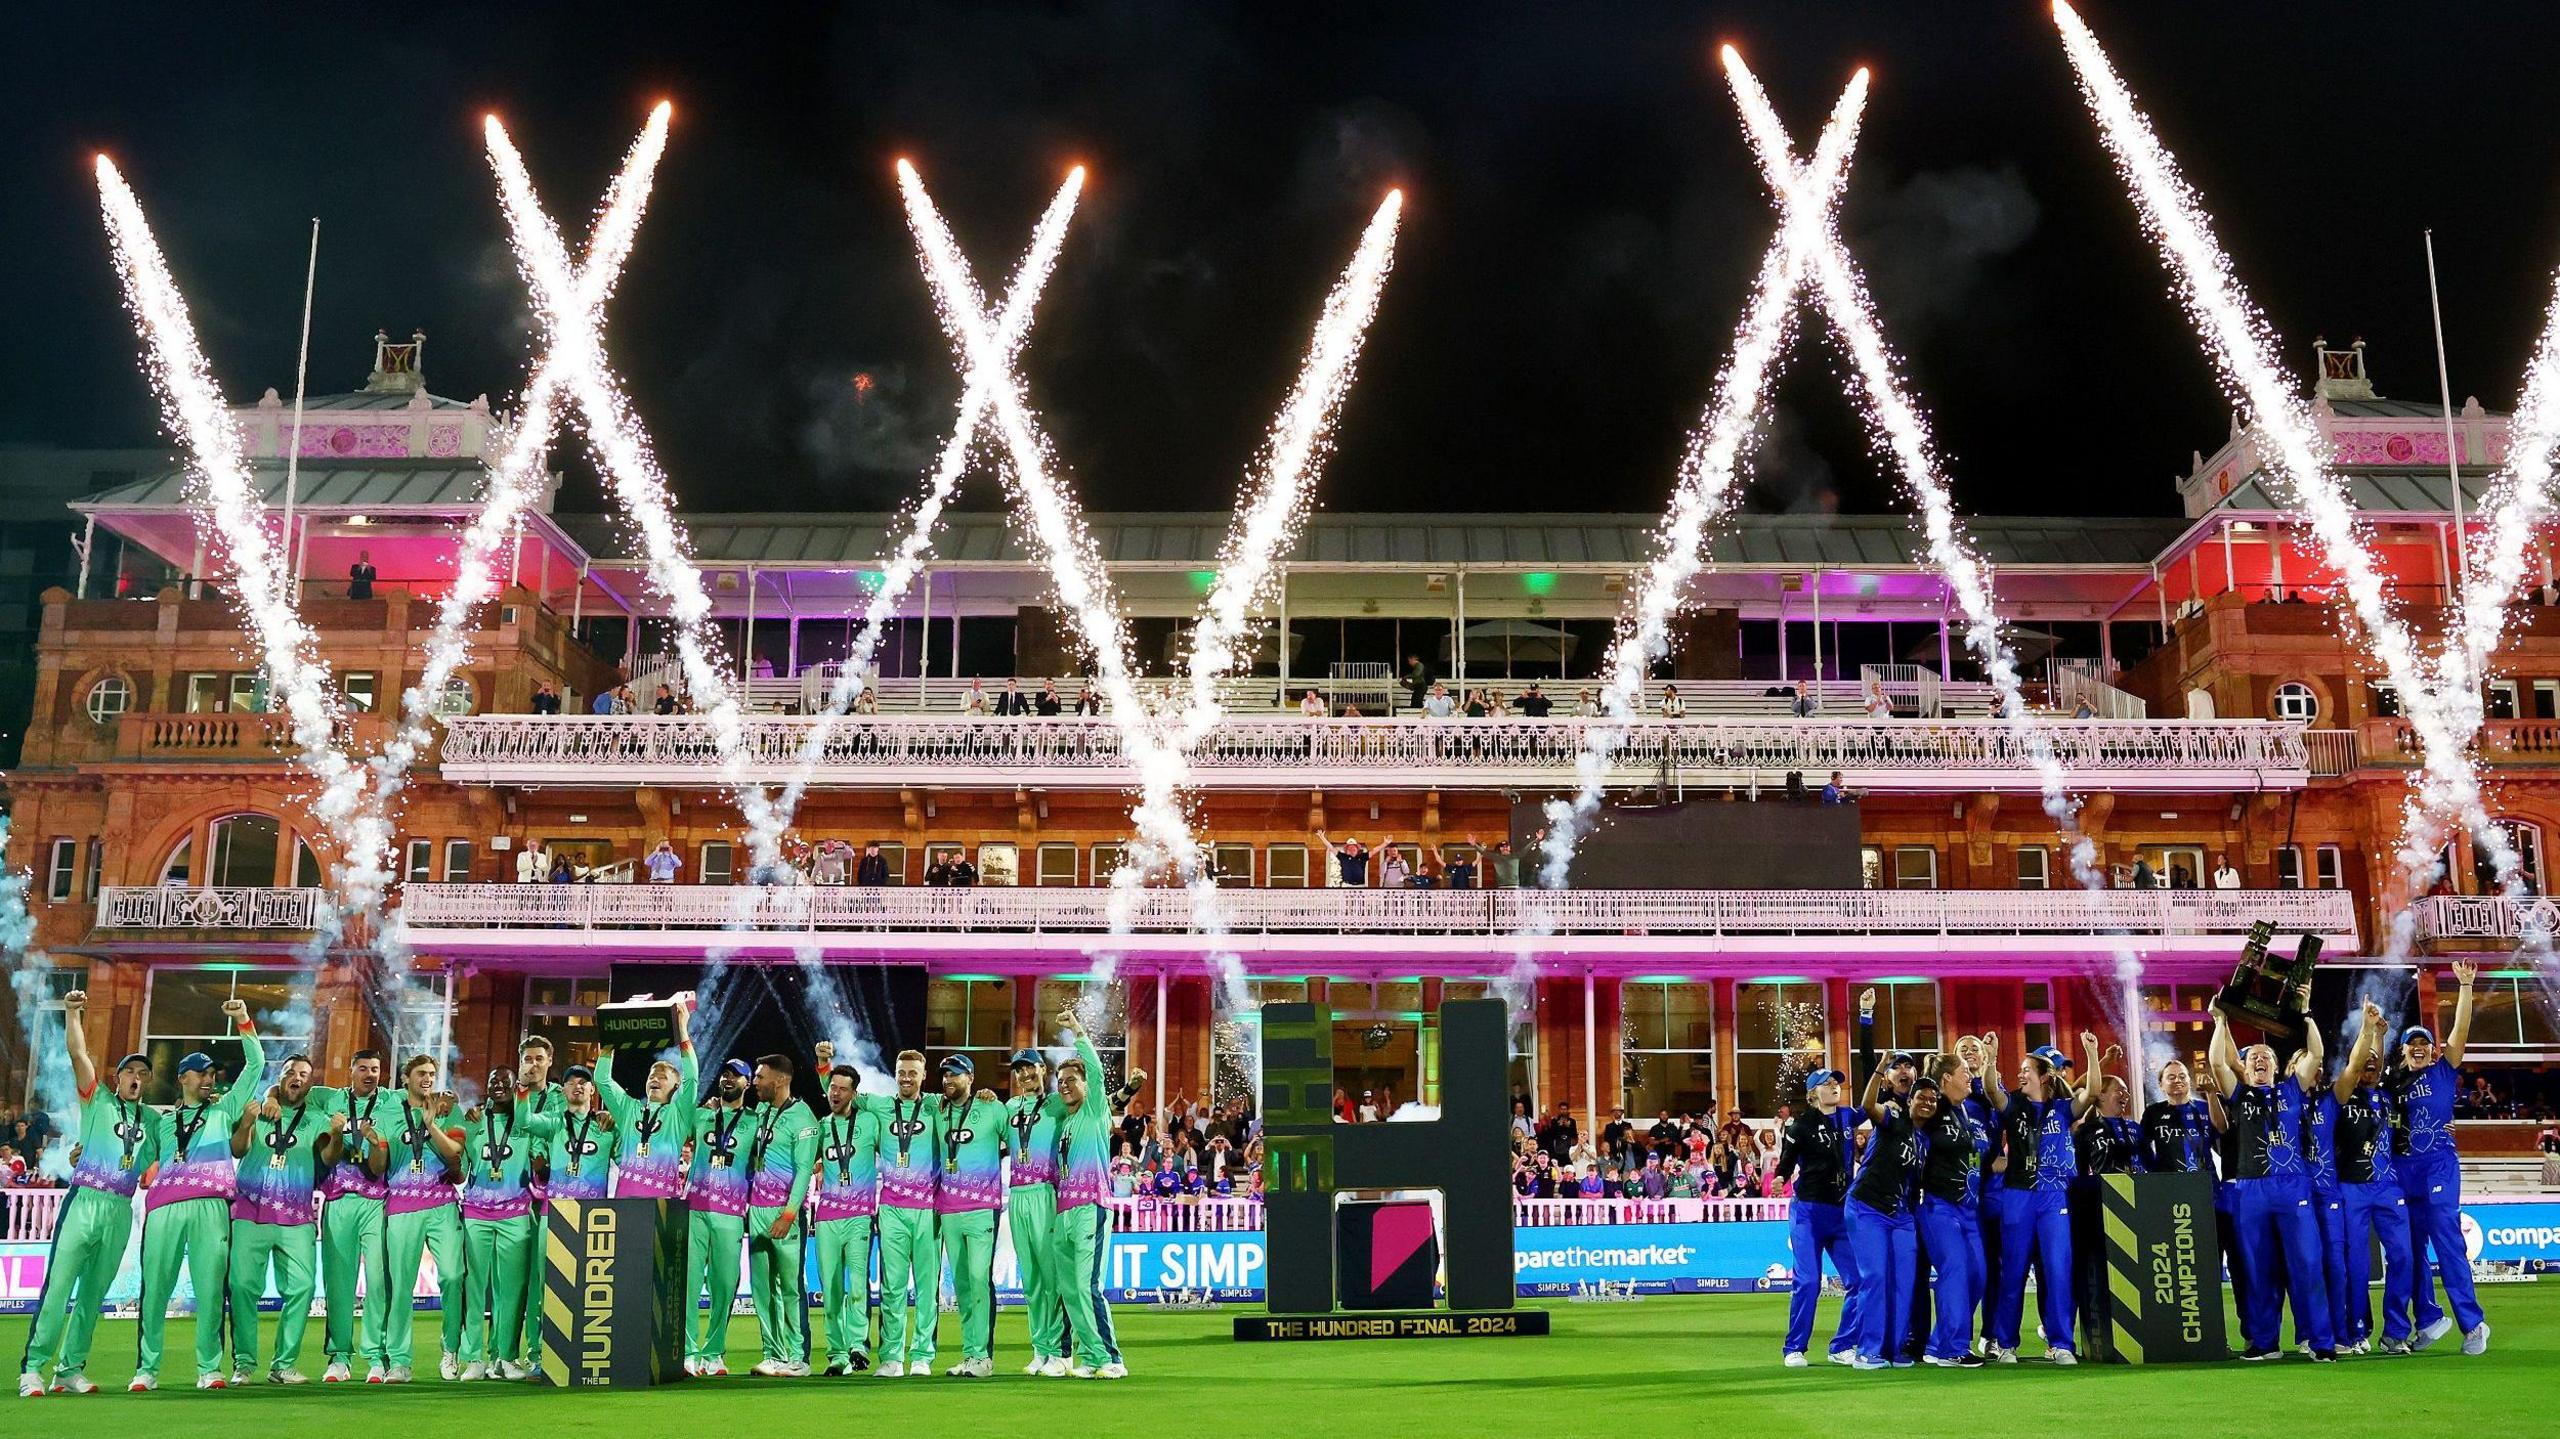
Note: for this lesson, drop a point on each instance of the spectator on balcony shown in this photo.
(1350, 857)
(1393, 872)
(1806, 704)
(1013, 701)
(602, 704)
(1586, 705)
(1312, 706)
(1430, 875)
(662, 863)
(1088, 702)
(1837, 791)
(2143, 875)
(1673, 707)
(1556, 1137)
(1048, 705)
(561, 871)
(1504, 864)
(1534, 703)
(665, 703)
(764, 667)
(829, 862)
(975, 701)
(2224, 876)
(1417, 677)
(2084, 710)
(964, 873)
(1477, 706)
(1522, 1126)
(873, 867)
(2181, 877)
(1437, 703)
(533, 865)
(1462, 869)
(546, 700)
(867, 702)
(1871, 699)
(360, 576)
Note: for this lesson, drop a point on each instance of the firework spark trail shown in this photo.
(1705, 487)
(1284, 473)
(1894, 420)
(1074, 569)
(768, 820)
(622, 448)
(2242, 349)
(52, 1085)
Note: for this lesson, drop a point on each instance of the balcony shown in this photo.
(2485, 921)
(1067, 924)
(182, 908)
(1290, 753)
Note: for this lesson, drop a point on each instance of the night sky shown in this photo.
(1582, 222)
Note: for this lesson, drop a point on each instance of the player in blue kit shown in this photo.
(2037, 1166)
(2422, 1091)
(2375, 1212)
(2271, 1202)
(1815, 1153)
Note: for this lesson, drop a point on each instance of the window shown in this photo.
(999, 864)
(935, 854)
(1780, 1034)
(2295, 700)
(2180, 1014)
(183, 1012)
(1106, 862)
(181, 866)
(1232, 864)
(62, 870)
(306, 865)
(975, 1017)
(2546, 699)
(2332, 867)
(1915, 866)
(459, 698)
(2527, 842)
(1287, 866)
(204, 693)
(716, 862)
(2502, 699)
(2036, 1016)
(1234, 1039)
(420, 868)
(2289, 866)
(245, 847)
(1906, 1014)
(562, 1009)
(2385, 698)
(110, 697)
(1668, 1039)
(248, 693)
(2508, 1018)
(893, 853)
(2031, 868)
(423, 1021)
(1870, 867)
(1057, 864)
(1524, 1043)
(457, 861)
(97, 867)
(359, 688)
(1110, 1028)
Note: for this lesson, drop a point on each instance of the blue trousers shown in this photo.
(1814, 1230)
(1988, 1220)
(2034, 1223)
(2277, 1226)
(1884, 1245)
(2434, 1192)
(2376, 1213)
(2329, 1213)
(1952, 1233)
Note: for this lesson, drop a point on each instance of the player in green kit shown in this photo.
(186, 1214)
(536, 1098)
(716, 1195)
(651, 1132)
(843, 1205)
(352, 1238)
(497, 1233)
(910, 1187)
(577, 1145)
(781, 1155)
(1031, 1211)
(422, 1216)
(974, 1138)
(118, 1141)
(281, 1147)
(1082, 1242)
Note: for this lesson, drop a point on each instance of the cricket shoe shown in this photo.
(376, 1374)
(2474, 1341)
(856, 1362)
(971, 1369)
(2324, 1356)
(692, 1366)
(1035, 1366)
(2359, 1347)
(337, 1372)
(2001, 1354)
(143, 1384)
(474, 1372)
(1081, 1371)
(2388, 1348)
(239, 1378)
(31, 1385)
(1056, 1368)
(396, 1374)
(212, 1381)
(892, 1369)
(1113, 1370)
(286, 1376)
(835, 1369)
(715, 1368)
(449, 1369)
(793, 1369)
(1847, 1358)
(2433, 1332)
(74, 1382)
(921, 1369)
(511, 1371)
(2062, 1357)
(2255, 1355)
(1868, 1361)
(766, 1368)
(1795, 1359)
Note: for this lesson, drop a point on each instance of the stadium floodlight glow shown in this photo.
(767, 820)
(2237, 339)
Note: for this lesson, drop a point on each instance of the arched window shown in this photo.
(241, 853)
(109, 697)
(2294, 700)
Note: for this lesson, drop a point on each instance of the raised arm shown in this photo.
(2224, 1056)
(2211, 1085)
(2086, 1097)
(2368, 1035)
(2307, 1064)
(1866, 1038)
(1992, 1090)
(2458, 1038)
(75, 1037)
(1867, 1099)
(445, 1142)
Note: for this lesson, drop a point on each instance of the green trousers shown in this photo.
(353, 1240)
(844, 1284)
(777, 1284)
(1082, 1244)
(194, 1234)
(910, 1272)
(88, 1245)
(409, 1238)
(528, 1349)
(497, 1263)
(1031, 1212)
(290, 1250)
(711, 1262)
(969, 1242)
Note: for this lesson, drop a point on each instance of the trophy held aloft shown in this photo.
(2267, 991)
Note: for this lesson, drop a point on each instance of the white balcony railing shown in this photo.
(2161, 912)
(1459, 753)
(2485, 916)
(172, 906)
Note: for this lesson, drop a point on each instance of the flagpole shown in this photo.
(2452, 455)
(293, 449)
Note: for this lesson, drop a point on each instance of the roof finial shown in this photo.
(2340, 374)
(398, 369)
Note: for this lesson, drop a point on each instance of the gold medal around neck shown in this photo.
(275, 1160)
(644, 1149)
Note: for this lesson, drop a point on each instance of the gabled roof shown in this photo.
(372, 400)
(2412, 491)
(373, 485)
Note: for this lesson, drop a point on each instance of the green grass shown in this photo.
(1702, 1364)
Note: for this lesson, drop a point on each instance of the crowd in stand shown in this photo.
(1683, 1156)
(23, 1137)
(1199, 1151)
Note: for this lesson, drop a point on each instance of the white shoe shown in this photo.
(286, 1376)
(921, 1369)
(212, 1381)
(450, 1369)
(1796, 1359)
(2062, 1357)
(1846, 1358)
(474, 1372)
(715, 1368)
(796, 1369)
(1055, 1367)
(2003, 1356)
(375, 1374)
(1113, 1370)
(143, 1384)
(1035, 1366)
(30, 1385)
(337, 1372)
(239, 1378)
(690, 1368)
(1081, 1371)
(766, 1368)
(76, 1382)
(890, 1370)
(2476, 1339)
(511, 1371)
(2433, 1332)
(397, 1374)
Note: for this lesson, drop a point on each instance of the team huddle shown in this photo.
(229, 1180)
(1961, 1186)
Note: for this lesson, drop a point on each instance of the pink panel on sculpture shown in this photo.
(1400, 1232)
(369, 442)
